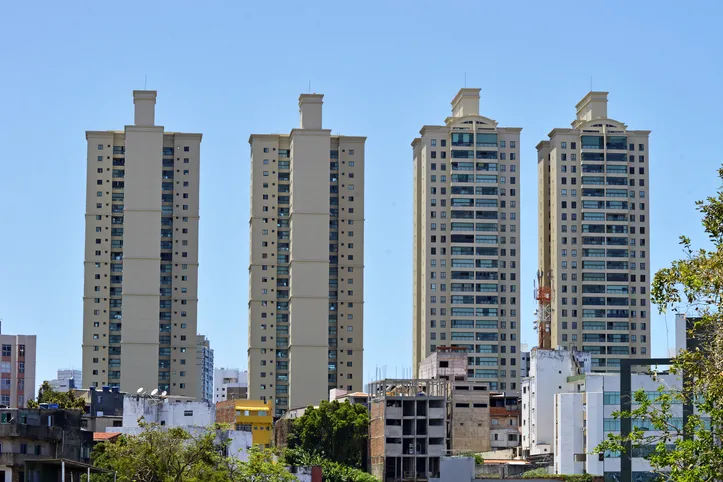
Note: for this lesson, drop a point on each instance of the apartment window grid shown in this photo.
(169, 225)
(281, 349)
(486, 154)
(335, 306)
(115, 280)
(611, 313)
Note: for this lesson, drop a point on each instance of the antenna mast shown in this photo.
(543, 314)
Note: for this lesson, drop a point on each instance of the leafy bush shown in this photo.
(332, 471)
(542, 473)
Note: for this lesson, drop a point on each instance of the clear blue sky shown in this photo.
(386, 69)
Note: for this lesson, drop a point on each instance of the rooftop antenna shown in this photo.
(591, 83)
(310, 86)
(145, 83)
(465, 80)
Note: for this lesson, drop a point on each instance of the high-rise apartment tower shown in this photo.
(306, 273)
(467, 241)
(141, 256)
(594, 236)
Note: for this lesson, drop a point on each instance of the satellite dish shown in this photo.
(139, 391)
(153, 393)
(164, 393)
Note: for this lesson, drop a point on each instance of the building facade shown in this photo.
(249, 416)
(594, 228)
(166, 411)
(141, 256)
(68, 379)
(35, 434)
(204, 365)
(550, 371)
(466, 242)
(407, 428)
(306, 294)
(230, 384)
(17, 370)
(103, 408)
(567, 411)
(468, 401)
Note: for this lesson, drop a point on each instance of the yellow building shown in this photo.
(250, 415)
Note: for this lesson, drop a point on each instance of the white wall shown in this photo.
(169, 412)
(549, 370)
(568, 436)
(579, 415)
(239, 379)
(238, 441)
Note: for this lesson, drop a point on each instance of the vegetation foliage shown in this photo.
(331, 470)
(66, 400)
(335, 431)
(691, 285)
(159, 454)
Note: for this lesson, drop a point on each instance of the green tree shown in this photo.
(66, 400)
(159, 454)
(336, 431)
(694, 285)
(331, 470)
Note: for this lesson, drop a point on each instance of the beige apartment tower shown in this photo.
(141, 256)
(466, 242)
(306, 273)
(594, 228)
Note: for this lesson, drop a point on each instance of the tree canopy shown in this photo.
(159, 454)
(66, 400)
(336, 431)
(691, 285)
(331, 470)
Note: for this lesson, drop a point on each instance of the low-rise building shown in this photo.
(341, 395)
(36, 434)
(230, 384)
(549, 371)
(103, 408)
(504, 420)
(248, 415)
(568, 410)
(68, 379)
(183, 412)
(524, 361)
(408, 428)
(468, 417)
(166, 411)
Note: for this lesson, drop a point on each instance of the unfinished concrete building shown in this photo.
(407, 429)
(468, 417)
(447, 363)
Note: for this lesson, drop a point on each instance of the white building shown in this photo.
(193, 416)
(68, 379)
(168, 411)
(229, 381)
(524, 360)
(549, 372)
(582, 404)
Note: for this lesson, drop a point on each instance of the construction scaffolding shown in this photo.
(543, 314)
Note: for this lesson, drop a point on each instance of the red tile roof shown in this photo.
(103, 436)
